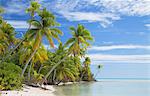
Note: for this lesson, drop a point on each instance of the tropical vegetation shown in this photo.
(26, 60)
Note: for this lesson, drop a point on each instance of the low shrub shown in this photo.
(10, 76)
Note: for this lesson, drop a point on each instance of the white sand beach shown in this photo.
(30, 91)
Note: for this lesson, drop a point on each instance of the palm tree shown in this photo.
(26, 50)
(32, 10)
(7, 36)
(78, 42)
(86, 72)
(43, 27)
(98, 69)
(65, 71)
(34, 7)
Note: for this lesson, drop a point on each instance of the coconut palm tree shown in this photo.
(65, 71)
(34, 7)
(7, 36)
(43, 27)
(25, 52)
(78, 42)
(98, 70)
(86, 72)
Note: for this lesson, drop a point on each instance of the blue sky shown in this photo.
(121, 28)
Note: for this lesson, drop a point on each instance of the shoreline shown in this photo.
(32, 91)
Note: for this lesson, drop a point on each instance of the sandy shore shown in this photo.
(34, 91)
(30, 91)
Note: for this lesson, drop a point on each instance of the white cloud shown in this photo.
(15, 7)
(127, 7)
(120, 58)
(18, 24)
(47, 46)
(106, 11)
(114, 47)
(104, 18)
(148, 26)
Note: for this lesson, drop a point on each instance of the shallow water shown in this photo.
(107, 88)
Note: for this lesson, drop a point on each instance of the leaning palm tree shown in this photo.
(86, 72)
(98, 70)
(34, 7)
(26, 50)
(7, 36)
(79, 41)
(65, 71)
(43, 27)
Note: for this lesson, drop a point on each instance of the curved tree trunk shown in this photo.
(26, 64)
(96, 74)
(16, 45)
(40, 68)
(29, 72)
(4, 58)
(54, 76)
(53, 68)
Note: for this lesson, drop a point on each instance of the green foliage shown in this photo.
(7, 36)
(1, 10)
(37, 77)
(43, 26)
(34, 7)
(62, 65)
(10, 76)
(86, 71)
(67, 71)
(79, 41)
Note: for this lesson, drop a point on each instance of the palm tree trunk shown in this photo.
(54, 76)
(15, 46)
(96, 74)
(4, 58)
(40, 68)
(29, 72)
(46, 76)
(26, 65)
(81, 76)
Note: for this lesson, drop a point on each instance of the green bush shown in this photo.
(10, 76)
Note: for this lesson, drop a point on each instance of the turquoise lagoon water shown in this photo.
(107, 88)
(113, 80)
